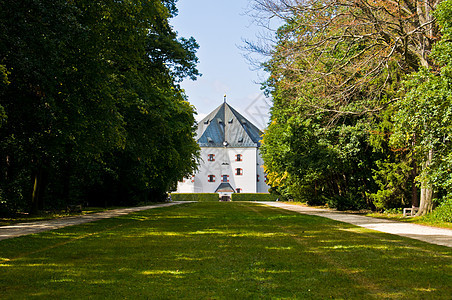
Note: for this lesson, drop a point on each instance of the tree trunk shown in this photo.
(414, 192)
(35, 196)
(426, 204)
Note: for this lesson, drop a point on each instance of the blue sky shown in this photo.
(219, 27)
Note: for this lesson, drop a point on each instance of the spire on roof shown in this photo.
(224, 99)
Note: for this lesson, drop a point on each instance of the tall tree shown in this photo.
(424, 117)
(344, 61)
(81, 73)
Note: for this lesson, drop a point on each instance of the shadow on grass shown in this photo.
(222, 251)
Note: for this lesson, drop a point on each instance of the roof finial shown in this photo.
(224, 98)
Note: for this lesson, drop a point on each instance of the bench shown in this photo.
(410, 211)
(74, 208)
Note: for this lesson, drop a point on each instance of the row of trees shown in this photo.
(362, 114)
(90, 106)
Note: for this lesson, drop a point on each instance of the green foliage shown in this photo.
(392, 179)
(423, 120)
(253, 197)
(350, 127)
(200, 197)
(443, 213)
(96, 114)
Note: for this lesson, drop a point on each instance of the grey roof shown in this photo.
(225, 124)
(225, 187)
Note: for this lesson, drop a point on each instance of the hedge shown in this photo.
(201, 197)
(253, 197)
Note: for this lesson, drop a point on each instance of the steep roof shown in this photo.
(225, 187)
(225, 124)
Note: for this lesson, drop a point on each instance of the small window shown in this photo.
(209, 139)
(225, 178)
(266, 179)
(193, 178)
(238, 190)
(257, 178)
(211, 157)
(220, 121)
(206, 121)
(238, 171)
(211, 178)
(230, 121)
(240, 140)
(238, 157)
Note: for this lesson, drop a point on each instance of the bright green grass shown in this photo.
(218, 250)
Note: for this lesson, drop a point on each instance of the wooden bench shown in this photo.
(410, 211)
(74, 208)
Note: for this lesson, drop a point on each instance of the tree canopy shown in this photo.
(361, 113)
(93, 110)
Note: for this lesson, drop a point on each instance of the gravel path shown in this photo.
(7, 232)
(432, 235)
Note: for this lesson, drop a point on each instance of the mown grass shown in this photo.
(50, 215)
(424, 220)
(427, 220)
(233, 250)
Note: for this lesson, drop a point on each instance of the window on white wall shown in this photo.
(211, 157)
(238, 171)
(238, 157)
(225, 178)
(211, 178)
(238, 190)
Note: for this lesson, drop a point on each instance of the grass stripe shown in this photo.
(222, 251)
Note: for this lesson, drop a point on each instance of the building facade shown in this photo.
(230, 158)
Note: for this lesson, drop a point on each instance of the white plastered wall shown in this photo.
(226, 164)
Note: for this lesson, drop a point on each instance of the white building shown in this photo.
(230, 158)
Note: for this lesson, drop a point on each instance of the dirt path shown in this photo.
(432, 235)
(7, 232)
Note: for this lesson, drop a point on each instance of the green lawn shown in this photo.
(222, 250)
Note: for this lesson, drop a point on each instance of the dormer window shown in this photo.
(230, 120)
(240, 140)
(220, 121)
(209, 139)
(206, 121)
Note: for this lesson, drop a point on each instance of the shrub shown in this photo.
(200, 197)
(253, 197)
(347, 202)
(443, 212)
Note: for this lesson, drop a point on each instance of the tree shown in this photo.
(424, 117)
(72, 105)
(344, 61)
